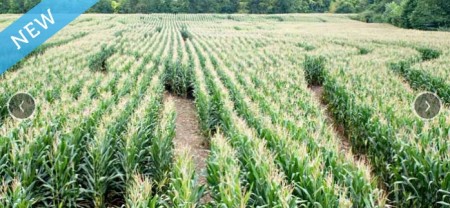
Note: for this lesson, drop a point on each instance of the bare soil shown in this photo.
(189, 136)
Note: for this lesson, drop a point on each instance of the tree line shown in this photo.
(422, 14)
(187, 6)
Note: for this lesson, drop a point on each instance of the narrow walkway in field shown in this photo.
(188, 136)
(339, 129)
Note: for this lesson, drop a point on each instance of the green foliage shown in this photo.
(345, 7)
(413, 176)
(364, 51)
(185, 190)
(430, 14)
(162, 146)
(42, 48)
(3, 106)
(429, 53)
(185, 33)
(18, 196)
(369, 17)
(261, 173)
(422, 80)
(97, 63)
(314, 69)
(119, 33)
(75, 90)
(393, 13)
(306, 46)
(224, 175)
(186, 6)
(177, 77)
(115, 6)
(140, 193)
(103, 6)
(277, 18)
(420, 14)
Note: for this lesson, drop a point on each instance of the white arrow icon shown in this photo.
(21, 106)
(428, 106)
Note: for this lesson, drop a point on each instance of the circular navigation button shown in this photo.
(21, 105)
(427, 105)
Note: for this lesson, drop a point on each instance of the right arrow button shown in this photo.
(427, 105)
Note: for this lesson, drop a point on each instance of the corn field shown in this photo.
(102, 134)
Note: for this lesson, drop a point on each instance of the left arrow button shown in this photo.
(21, 105)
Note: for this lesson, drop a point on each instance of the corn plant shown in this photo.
(314, 70)
(41, 49)
(16, 196)
(345, 170)
(161, 147)
(286, 149)
(185, 33)
(421, 79)
(389, 145)
(306, 46)
(184, 190)
(5, 146)
(60, 186)
(177, 77)
(267, 183)
(140, 193)
(429, 53)
(200, 92)
(98, 62)
(224, 175)
(136, 156)
(105, 139)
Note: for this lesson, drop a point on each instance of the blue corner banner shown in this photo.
(36, 26)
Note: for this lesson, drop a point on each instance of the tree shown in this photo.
(207, 6)
(103, 6)
(301, 6)
(253, 6)
(408, 9)
(15, 6)
(4, 6)
(430, 14)
(180, 6)
(267, 6)
(421, 14)
(29, 4)
(232, 7)
(115, 6)
(393, 13)
(345, 7)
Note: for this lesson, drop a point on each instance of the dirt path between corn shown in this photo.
(339, 129)
(189, 136)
